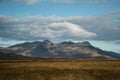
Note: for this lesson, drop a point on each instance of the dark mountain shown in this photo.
(47, 49)
(113, 54)
(67, 43)
(6, 54)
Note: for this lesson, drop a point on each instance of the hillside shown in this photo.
(48, 49)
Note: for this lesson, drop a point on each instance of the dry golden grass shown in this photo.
(59, 69)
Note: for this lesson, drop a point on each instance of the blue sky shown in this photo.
(18, 9)
(97, 21)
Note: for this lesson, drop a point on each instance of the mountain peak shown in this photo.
(47, 43)
(85, 43)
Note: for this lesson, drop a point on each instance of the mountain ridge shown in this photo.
(66, 49)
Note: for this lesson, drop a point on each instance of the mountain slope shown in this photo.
(47, 49)
(6, 54)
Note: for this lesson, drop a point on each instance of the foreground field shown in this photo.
(59, 70)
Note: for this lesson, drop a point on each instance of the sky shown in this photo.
(96, 21)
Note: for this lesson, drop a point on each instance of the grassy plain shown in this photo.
(59, 69)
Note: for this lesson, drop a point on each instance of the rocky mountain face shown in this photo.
(47, 49)
(7, 54)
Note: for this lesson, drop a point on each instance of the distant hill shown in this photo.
(48, 49)
(8, 55)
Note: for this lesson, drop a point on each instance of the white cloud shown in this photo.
(72, 30)
(35, 28)
(54, 30)
(41, 28)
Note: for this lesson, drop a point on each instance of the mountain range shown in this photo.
(48, 49)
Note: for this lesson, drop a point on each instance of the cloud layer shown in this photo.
(62, 28)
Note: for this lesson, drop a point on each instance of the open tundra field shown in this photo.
(59, 69)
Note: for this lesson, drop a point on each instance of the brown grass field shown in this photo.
(59, 69)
